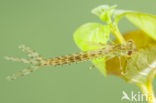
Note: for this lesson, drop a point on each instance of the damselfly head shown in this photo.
(130, 47)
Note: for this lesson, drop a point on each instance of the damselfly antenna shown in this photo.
(36, 60)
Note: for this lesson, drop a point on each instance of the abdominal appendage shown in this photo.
(37, 61)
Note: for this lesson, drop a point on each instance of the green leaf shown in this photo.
(104, 12)
(89, 36)
(145, 22)
(92, 36)
(109, 14)
(118, 14)
(141, 68)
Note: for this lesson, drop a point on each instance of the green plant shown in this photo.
(140, 67)
(137, 65)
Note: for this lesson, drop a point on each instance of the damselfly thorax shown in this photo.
(106, 51)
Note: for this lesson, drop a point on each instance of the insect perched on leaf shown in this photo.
(37, 61)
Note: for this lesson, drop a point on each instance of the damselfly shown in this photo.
(37, 61)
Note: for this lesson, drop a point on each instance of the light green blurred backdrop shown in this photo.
(47, 26)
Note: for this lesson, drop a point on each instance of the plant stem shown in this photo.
(147, 90)
(117, 34)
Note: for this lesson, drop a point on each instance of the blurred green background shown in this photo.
(47, 26)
